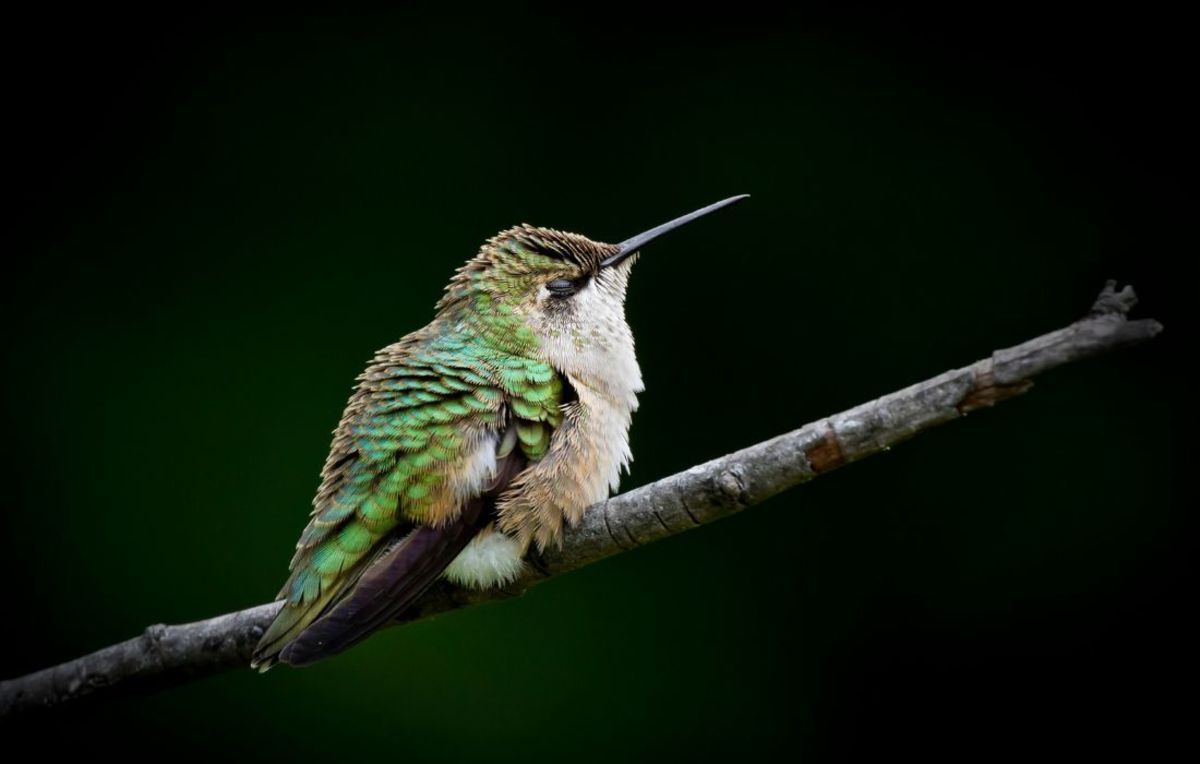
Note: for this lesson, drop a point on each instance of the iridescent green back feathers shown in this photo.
(426, 416)
(493, 428)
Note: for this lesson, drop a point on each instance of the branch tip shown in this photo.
(1114, 302)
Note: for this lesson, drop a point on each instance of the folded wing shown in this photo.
(435, 431)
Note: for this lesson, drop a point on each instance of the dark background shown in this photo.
(217, 218)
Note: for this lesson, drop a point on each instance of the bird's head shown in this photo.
(555, 295)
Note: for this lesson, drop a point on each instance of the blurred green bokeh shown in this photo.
(257, 210)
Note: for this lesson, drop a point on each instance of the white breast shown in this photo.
(593, 347)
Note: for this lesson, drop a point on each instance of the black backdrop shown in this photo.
(216, 218)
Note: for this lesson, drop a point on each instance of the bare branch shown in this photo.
(169, 655)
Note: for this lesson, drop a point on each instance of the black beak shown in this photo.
(629, 246)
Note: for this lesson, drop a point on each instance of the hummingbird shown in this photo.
(469, 441)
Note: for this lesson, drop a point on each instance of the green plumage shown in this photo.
(416, 414)
(459, 448)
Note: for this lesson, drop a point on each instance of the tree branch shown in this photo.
(169, 655)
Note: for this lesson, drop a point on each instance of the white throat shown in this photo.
(594, 346)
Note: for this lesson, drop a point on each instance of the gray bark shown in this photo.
(168, 655)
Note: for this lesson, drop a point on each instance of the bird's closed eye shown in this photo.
(563, 287)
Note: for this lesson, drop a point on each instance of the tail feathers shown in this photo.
(303, 634)
(386, 588)
(381, 588)
(288, 624)
(296, 616)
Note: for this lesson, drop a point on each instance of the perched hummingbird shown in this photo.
(484, 432)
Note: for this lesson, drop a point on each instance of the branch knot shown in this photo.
(732, 485)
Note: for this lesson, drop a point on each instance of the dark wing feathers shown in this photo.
(385, 522)
(393, 581)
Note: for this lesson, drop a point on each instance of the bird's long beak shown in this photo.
(629, 246)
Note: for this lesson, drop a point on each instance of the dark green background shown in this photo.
(220, 218)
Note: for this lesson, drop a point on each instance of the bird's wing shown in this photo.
(434, 432)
